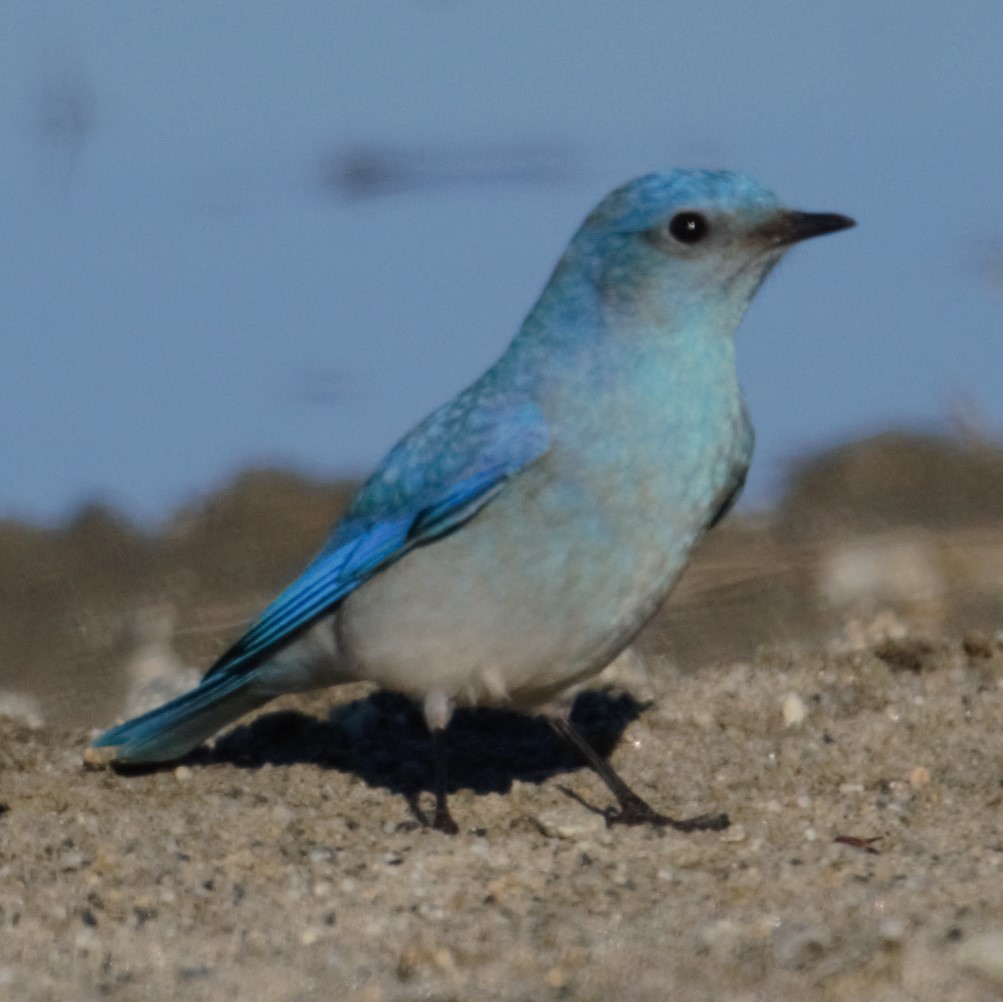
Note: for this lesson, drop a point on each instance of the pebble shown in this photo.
(719, 935)
(984, 954)
(891, 931)
(72, 859)
(794, 710)
(800, 947)
(559, 824)
(734, 833)
(513, 906)
(84, 939)
(920, 776)
(557, 977)
(97, 758)
(183, 773)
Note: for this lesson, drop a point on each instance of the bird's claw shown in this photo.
(443, 822)
(641, 813)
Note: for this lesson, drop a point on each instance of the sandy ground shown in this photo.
(289, 862)
(860, 764)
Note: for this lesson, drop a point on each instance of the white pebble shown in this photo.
(892, 931)
(72, 859)
(984, 953)
(794, 710)
(562, 825)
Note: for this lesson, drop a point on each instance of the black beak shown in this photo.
(789, 227)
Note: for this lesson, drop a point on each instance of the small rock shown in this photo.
(984, 954)
(891, 931)
(183, 773)
(719, 936)
(557, 977)
(800, 947)
(556, 824)
(920, 776)
(98, 758)
(72, 859)
(443, 959)
(794, 710)
(84, 939)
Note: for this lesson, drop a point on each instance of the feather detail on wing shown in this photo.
(436, 479)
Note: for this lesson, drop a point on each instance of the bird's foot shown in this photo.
(443, 822)
(635, 811)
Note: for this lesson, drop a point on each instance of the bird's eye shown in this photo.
(688, 227)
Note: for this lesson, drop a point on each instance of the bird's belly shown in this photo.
(515, 606)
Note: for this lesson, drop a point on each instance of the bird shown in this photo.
(514, 542)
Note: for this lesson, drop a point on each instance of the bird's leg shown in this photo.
(438, 709)
(633, 810)
(443, 820)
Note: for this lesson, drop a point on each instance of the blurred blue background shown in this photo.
(280, 233)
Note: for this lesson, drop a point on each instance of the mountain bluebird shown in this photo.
(513, 543)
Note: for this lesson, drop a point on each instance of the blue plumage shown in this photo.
(515, 540)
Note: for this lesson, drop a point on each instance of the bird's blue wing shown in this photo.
(431, 483)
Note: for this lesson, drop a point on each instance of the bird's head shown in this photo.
(689, 244)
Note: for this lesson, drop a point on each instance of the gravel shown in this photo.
(864, 858)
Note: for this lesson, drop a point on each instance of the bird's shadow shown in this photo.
(382, 739)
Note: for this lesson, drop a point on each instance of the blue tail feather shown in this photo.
(177, 727)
